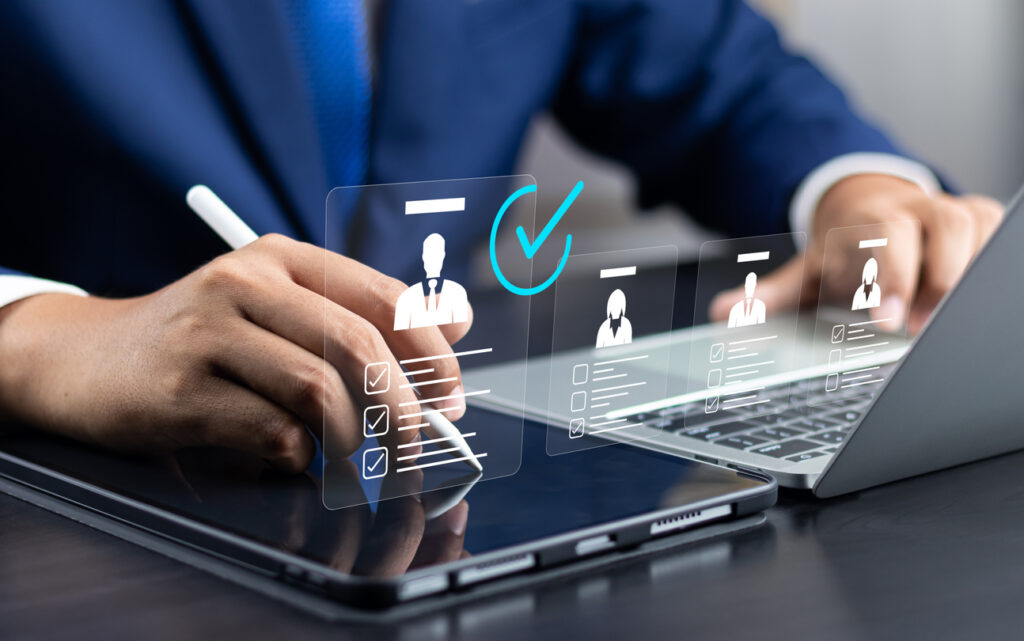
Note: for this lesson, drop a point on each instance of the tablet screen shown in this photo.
(548, 496)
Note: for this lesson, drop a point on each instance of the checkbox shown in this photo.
(578, 401)
(717, 353)
(377, 378)
(838, 333)
(834, 356)
(375, 420)
(576, 426)
(375, 463)
(711, 405)
(580, 374)
(831, 382)
(714, 378)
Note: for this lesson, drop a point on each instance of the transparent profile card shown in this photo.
(862, 312)
(402, 347)
(738, 367)
(620, 305)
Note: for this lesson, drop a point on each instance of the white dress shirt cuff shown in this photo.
(819, 181)
(14, 288)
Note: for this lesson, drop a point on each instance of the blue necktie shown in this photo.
(331, 36)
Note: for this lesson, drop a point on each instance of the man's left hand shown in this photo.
(919, 269)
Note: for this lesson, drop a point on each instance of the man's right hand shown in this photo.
(242, 353)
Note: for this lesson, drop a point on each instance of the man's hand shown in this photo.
(920, 269)
(231, 355)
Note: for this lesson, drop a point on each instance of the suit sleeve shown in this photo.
(700, 100)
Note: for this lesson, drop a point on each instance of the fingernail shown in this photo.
(455, 519)
(892, 312)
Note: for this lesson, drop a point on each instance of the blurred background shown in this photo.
(944, 78)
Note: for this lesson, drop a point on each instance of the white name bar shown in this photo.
(874, 242)
(615, 272)
(434, 206)
(752, 257)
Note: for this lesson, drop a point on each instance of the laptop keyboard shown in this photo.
(811, 424)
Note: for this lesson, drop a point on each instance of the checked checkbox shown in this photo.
(375, 420)
(838, 333)
(576, 427)
(717, 353)
(375, 463)
(377, 378)
(711, 405)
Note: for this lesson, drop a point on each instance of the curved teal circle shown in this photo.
(515, 289)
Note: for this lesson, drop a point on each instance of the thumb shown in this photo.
(779, 290)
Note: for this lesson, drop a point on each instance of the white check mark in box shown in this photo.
(717, 353)
(376, 419)
(375, 463)
(377, 378)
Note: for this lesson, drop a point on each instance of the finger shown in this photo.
(294, 379)
(781, 289)
(350, 343)
(949, 241)
(455, 332)
(353, 349)
(366, 293)
(240, 419)
(988, 215)
(898, 266)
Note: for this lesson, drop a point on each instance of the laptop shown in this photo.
(944, 398)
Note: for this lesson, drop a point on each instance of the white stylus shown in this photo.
(237, 234)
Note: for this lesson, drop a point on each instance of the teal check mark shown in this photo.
(530, 249)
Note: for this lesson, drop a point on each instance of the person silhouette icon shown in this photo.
(869, 294)
(750, 310)
(616, 328)
(432, 301)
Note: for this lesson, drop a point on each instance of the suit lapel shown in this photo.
(256, 66)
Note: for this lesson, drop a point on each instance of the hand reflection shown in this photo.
(287, 510)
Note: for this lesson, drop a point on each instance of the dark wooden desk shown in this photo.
(934, 557)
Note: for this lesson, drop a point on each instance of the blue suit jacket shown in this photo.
(113, 108)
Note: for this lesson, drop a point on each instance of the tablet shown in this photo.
(234, 510)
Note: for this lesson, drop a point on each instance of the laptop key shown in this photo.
(786, 448)
(712, 432)
(805, 456)
(740, 442)
(832, 437)
(779, 433)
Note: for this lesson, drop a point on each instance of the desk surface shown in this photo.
(933, 557)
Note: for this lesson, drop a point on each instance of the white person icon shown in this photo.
(869, 294)
(616, 328)
(750, 310)
(434, 300)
